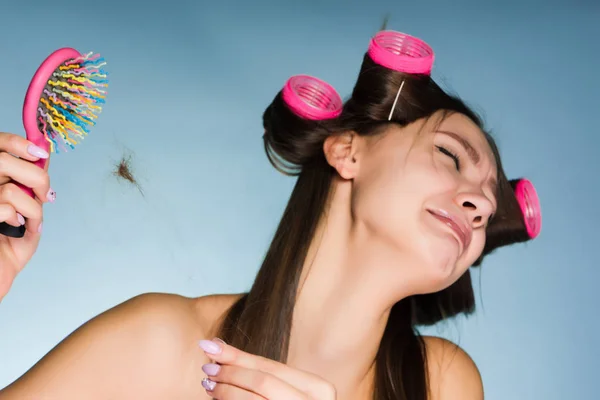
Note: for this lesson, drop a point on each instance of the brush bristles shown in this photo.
(72, 100)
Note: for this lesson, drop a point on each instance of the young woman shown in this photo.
(398, 193)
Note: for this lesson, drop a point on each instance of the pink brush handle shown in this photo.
(32, 102)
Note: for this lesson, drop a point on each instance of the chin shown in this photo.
(439, 267)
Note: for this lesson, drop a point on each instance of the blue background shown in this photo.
(189, 82)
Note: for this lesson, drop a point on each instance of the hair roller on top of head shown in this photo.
(312, 98)
(529, 202)
(401, 52)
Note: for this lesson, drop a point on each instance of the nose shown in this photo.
(477, 207)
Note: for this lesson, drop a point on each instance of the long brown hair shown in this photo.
(260, 321)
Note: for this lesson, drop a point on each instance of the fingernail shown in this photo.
(37, 151)
(51, 196)
(21, 219)
(219, 340)
(210, 347)
(211, 369)
(40, 228)
(208, 384)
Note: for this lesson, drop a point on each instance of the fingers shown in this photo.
(16, 157)
(224, 391)
(27, 174)
(226, 379)
(14, 200)
(33, 227)
(21, 147)
(300, 381)
(9, 215)
(233, 356)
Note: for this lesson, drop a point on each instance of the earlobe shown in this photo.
(340, 152)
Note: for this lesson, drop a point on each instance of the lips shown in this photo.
(462, 231)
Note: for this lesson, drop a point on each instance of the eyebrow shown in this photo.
(473, 155)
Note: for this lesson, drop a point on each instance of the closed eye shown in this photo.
(450, 154)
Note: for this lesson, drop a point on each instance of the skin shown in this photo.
(17, 207)
(378, 244)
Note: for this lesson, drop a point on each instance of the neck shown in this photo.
(342, 306)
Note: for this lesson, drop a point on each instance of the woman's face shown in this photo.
(425, 194)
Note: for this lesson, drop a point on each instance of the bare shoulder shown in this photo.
(452, 373)
(145, 347)
(211, 309)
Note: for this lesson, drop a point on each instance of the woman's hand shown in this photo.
(237, 375)
(16, 207)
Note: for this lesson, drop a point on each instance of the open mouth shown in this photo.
(463, 233)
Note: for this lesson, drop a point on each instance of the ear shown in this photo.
(340, 152)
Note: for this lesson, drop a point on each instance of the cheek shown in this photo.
(475, 250)
(384, 201)
(389, 196)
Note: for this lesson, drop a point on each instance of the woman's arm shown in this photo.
(145, 348)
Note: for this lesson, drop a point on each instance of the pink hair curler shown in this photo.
(62, 101)
(530, 207)
(401, 52)
(311, 98)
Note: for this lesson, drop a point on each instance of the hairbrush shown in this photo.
(311, 98)
(62, 103)
(529, 202)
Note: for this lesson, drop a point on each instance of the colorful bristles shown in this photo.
(72, 100)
